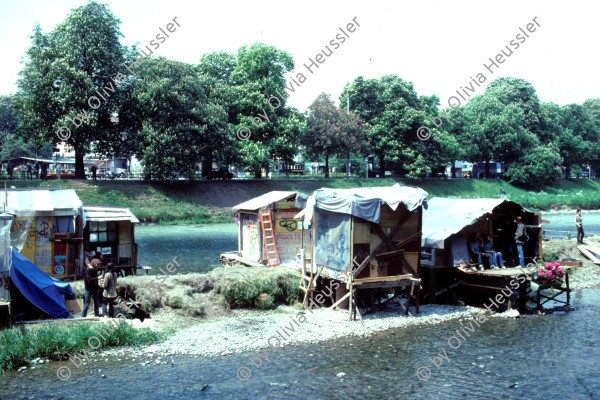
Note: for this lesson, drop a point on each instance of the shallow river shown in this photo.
(537, 357)
(197, 247)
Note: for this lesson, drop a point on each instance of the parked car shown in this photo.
(64, 174)
(117, 173)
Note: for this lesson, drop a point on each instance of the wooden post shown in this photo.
(351, 302)
(568, 289)
(523, 298)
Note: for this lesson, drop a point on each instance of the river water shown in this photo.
(536, 357)
(554, 356)
(197, 247)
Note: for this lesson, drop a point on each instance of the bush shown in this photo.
(175, 302)
(262, 292)
(53, 341)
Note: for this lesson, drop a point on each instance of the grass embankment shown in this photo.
(149, 202)
(211, 201)
(54, 341)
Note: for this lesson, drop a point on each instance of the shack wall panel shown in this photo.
(251, 243)
(362, 232)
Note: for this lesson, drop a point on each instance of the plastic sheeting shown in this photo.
(332, 244)
(446, 217)
(364, 203)
(43, 291)
(5, 255)
(32, 202)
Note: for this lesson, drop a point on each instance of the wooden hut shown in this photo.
(110, 233)
(268, 233)
(47, 229)
(368, 238)
(5, 259)
(449, 225)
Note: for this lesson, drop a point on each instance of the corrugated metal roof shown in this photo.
(107, 213)
(263, 201)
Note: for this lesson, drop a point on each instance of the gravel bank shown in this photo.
(235, 335)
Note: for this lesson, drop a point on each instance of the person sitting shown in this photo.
(476, 249)
(496, 255)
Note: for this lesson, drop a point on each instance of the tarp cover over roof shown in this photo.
(263, 201)
(43, 291)
(106, 213)
(364, 203)
(30, 202)
(445, 217)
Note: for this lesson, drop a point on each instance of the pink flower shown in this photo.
(551, 275)
(556, 264)
(549, 266)
(542, 272)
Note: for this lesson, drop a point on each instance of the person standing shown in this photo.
(23, 171)
(9, 169)
(91, 278)
(579, 226)
(37, 170)
(44, 172)
(94, 169)
(110, 290)
(29, 170)
(521, 237)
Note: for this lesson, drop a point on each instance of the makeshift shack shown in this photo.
(268, 233)
(5, 262)
(47, 229)
(110, 233)
(368, 238)
(449, 225)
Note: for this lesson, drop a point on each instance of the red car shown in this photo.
(65, 174)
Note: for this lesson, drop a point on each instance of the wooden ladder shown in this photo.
(269, 238)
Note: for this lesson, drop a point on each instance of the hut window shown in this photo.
(63, 225)
(101, 231)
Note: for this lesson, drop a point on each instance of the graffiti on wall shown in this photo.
(251, 238)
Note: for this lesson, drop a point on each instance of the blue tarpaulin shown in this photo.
(43, 291)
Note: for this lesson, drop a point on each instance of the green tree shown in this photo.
(173, 119)
(394, 112)
(539, 166)
(64, 68)
(259, 79)
(580, 141)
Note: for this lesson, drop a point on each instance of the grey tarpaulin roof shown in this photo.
(263, 201)
(364, 203)
(445, 217)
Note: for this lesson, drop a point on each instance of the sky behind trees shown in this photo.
(437, 45)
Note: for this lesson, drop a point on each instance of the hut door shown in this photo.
(59, 258)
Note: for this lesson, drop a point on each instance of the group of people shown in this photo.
(480, 248)
(27, 170)
(94, 282)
